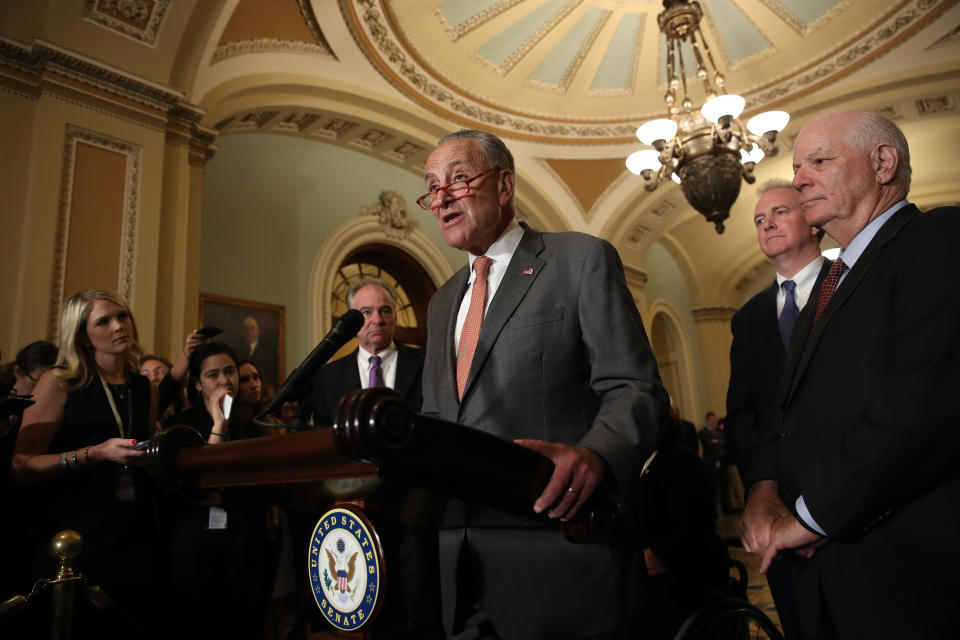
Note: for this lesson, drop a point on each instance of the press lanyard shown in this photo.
(113, 405)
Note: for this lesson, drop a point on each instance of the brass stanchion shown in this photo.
(65, 546)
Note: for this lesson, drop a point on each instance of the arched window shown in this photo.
(413, 284)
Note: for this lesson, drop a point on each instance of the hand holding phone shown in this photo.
(209, 332)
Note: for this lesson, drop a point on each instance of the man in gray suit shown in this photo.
(538, 340)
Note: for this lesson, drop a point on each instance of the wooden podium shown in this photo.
(380, 462)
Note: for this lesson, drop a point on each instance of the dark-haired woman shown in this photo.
(217, 561)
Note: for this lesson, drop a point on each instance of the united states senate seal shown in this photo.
(344, 565)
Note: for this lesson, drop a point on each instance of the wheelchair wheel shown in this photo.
(728, 619)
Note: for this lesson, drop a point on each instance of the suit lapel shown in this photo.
(524, 268)
(850, 284)
(451, 309)
(767, 323)
(406, 370)
(350, 380)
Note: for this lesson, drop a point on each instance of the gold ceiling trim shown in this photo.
(577, 60)
(634, 62)
(306, 10)
(794, 22)
(833, 67)
(517, 54)
(269, 45)
(490, 12)
(377, 32)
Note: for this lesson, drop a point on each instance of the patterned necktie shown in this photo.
(376, 372)
(471, 326)
(829, 286)
(788, 317)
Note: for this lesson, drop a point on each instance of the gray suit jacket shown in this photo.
(562, 357)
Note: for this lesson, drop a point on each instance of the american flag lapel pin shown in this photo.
(528, 271)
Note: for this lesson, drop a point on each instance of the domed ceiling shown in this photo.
(590, 71)
(567, 82)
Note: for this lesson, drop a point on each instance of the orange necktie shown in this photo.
(471, 326)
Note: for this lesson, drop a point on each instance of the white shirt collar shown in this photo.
(502, 248)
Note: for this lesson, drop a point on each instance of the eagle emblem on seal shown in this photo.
(343, 573)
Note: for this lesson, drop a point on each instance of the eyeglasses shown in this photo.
(456, 190)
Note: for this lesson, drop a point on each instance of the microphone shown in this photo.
(347, 327)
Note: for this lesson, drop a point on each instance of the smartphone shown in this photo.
(14, 405)
(209, 332)
(140, 446)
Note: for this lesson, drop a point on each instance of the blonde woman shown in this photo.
(75, 453)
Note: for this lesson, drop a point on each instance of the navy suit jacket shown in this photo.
(870, 436)
(336, 379)
(756, 366)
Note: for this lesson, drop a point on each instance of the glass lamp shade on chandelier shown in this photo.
(705, 151)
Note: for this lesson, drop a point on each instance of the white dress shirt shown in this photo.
(501, 252)
(388, 365)
(804, 279)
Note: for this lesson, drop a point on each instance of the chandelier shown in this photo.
(705, 151)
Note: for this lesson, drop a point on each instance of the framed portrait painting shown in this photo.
(254, 330)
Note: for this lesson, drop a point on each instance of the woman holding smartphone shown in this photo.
(75, 452)
(217, 556)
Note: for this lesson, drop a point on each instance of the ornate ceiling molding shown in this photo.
(336, 128)
(378, 41)
(270, 45)
(894, 28)
(138, 20)
(379, 35)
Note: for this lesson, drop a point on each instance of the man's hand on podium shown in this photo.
(576, 475)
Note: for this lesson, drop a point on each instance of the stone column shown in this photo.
(713, 333)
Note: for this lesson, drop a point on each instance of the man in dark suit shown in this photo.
(399, 366)
(762, 329)
(539, 340)
(861, 478)
(379, 361)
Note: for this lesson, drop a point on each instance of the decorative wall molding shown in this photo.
(131, 206)
(360, 231)
(713, 314)
(43, 68)
(138, 20)
(391, 213)
(343, 130)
